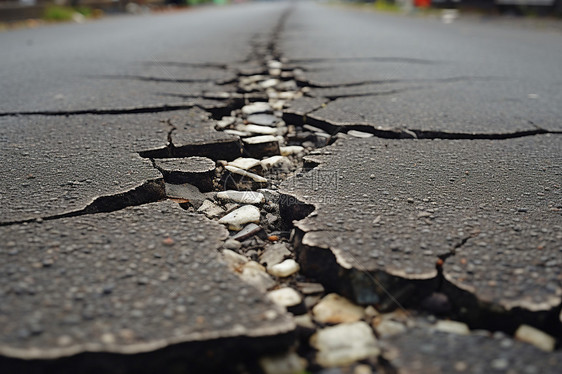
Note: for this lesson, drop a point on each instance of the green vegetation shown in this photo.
(64, 13)
(386, 6)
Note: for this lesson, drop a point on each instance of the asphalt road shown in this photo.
(95, 260)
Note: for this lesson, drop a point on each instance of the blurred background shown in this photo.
(35, 11)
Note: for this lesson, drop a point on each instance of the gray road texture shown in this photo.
(475, 217)
(465, 77)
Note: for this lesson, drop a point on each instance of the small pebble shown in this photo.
(237, 219)
(535, 337)
(285, 297)
(284, 269)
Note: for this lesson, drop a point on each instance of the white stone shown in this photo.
(236, 219)
(291, 150)
(278, 104)
(232, 244)
(452, 327)
(237, 133)
(284, 269)
(362, 369)
(272, 82)
(334, 309)
(344, 344)
(287, 95)
(210, 209)
(275, 161)
(256, 277)
(242, 197)
(288, 363)
(244, 173)
(258, 107)
(285, 297)
(304, 320)
(274, 64)
(261, 139)
(262, 130)
(245, 163)
(275, 254)
(234, 260)
(360, 134)
(255, 265)
(388, 327)
(225, 122)
(535, 337)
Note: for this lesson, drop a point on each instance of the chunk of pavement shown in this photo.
(284, 269)
(107, 165)
(247, 232)
(275, 162)
(242, 197)
(210, 209)
(243, 173)
(452, 327)
(257, 107)
(257, 277)
(535, 337)
(285, 363)
(76, 297)
(261, 146)
(291, 150)
(187, 192)
(194, 136)
(234, 260)
(360, 134)
(344, 344)
(424, 350)
(246, 163)
(334, 309)
(259, 130)
(237, 219)
(472, 207)
(198, 171)
(285, 297)
(274, 254)
(263, 119)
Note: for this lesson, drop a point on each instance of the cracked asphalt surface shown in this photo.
(102, 273)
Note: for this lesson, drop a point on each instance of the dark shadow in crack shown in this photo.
(149, 192)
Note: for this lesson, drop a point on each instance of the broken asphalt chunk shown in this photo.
(138, 296)
(367, 238)
(261, 146)
(198, 171)
(424, 350)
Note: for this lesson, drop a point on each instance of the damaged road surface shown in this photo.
(281, 188)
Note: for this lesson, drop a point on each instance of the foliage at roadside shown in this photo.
(386, 6)
(65, 13)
